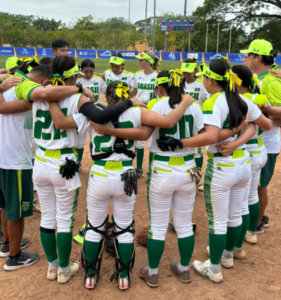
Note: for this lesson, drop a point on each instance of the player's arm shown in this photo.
(228, 147)
(90, 95)
(274, 112)
(60, 121)
(133, 92)
(9, 83)
(102, 75)
(277, 121)
(14, 107)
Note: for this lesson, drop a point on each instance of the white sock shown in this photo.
(183, 268)
(153, 271)
(63, 269)
(227, 254)
(237, 249)
(215, 268)
(54, 264)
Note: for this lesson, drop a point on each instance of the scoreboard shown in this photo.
(177, 25)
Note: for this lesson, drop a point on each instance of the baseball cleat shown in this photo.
(204, 270)
(151, 280)
(24, 260)
(260, 228)
(251, 237)
(5, 248)
(225, 262)
(265, 221)
(183, 276)
(52, 273)
(240, 254)
(90, 282)
(123, 283)
(65, 276)
(1, 237)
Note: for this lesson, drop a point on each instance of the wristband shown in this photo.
(80, 86)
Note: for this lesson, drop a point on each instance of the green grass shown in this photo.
(102, 64)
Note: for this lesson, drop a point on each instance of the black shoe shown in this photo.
(1, 237)
(265, 221)
(5, 248)
(260, 228)
(139, 173)
(24, 260)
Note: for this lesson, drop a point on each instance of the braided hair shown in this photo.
(245, 74)
(62, 64)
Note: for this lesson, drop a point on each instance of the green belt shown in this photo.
(56, 154)
(238, 153)
(255, 141)
(110, 165)
(174, 161)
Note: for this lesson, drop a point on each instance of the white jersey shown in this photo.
(188, 126)
(96, 85)
(216, 113)
(45, 133)
(131, 118)
(196, 90)
(15, 137)
(126, 77)
(145, 84)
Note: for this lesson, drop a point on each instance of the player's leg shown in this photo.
(199, 159)
(140, 155)
(183, 202)
(265, 178)
(159, 199)
(1, 232)
(98, 198)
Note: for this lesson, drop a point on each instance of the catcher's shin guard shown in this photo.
(97, 262)
(119, 265)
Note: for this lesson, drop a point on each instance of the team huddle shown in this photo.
(47, 108)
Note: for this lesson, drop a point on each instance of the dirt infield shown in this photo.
(258, 276)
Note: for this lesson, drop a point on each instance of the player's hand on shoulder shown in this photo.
(9, 83)
(187, 99)
(136, 102)
(276, 73)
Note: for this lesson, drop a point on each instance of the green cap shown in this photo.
(11, 62)
(188, 67)
(261, 47)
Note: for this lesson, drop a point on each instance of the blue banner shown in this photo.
(81, 53)
(129, 54)
(190, 55)
(171, 56)
(44, 52)
(157, 53)
(235, 58)
(278, 60)
(7, 51)
(25, 51)
(105, 54)
(72, 52)
(210, 55)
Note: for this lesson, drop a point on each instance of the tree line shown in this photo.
(116, 33)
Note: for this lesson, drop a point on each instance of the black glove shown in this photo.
(168, 143)
(130, 178)
(69, 169)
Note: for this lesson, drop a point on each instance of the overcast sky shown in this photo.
(68, 10)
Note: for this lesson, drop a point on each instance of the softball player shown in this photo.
(96, 85)
(143, 86)
(106, 172)
(117, 72)
(226, 178)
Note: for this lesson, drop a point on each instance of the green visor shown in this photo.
(188, 67)
(116, 60)
(144, 56)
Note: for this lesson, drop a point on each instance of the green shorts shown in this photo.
(16, 193)
(268, 170)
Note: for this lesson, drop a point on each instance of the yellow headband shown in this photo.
(56, 78)
(145, 56)
(208, 73)
(255, 82)
(175, 77)
(162, 80)
(188, 67)
(29, 59)
(121, 91)
(74, 71)
(232, 78)
(116, 60)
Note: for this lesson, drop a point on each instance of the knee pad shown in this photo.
(86, 264)
(120, 266)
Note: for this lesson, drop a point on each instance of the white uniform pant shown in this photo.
(258, 161)
(140, 144)
(58, 205)
(104, 184)
(225, 183)
(170, 186)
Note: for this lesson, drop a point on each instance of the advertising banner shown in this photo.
(25, 52)
(44, 52)
(105, 54)
(7, 51)
(171, 56)
(210, 55)
(235, 58)
(129, 54)
(190, 55)
(81, 53)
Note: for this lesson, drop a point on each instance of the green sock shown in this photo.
(245, 226)
(186, 246)
(217, 245)
(64, 242)
(232, 237)
(255, 211)
(155, 250)
(91, 253)
(49, 244)
(199, 162)
(150, 159)
(80, 154)
(125, 252)
(140, 154)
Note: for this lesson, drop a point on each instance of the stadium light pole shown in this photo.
(154, 26)
(206, 38)
(230, 38)
(145, 30)
(218, 38)
(184, 16)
